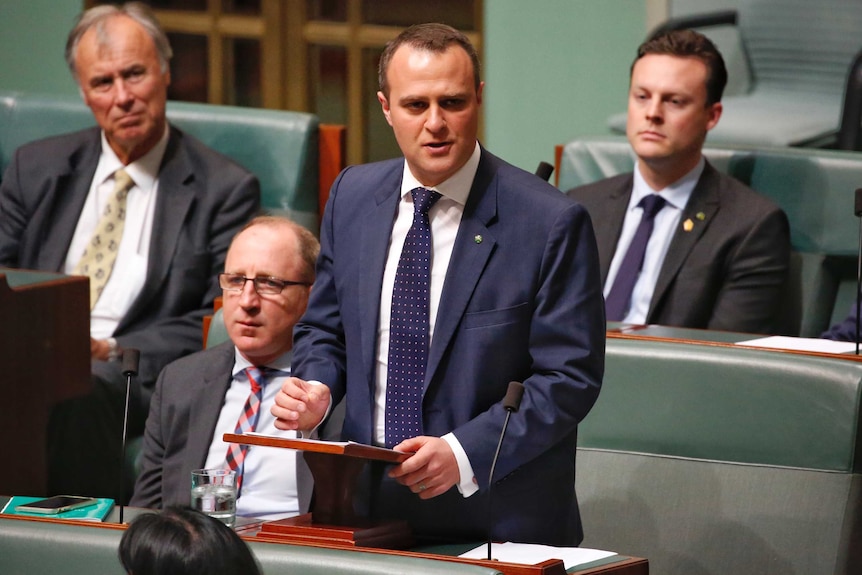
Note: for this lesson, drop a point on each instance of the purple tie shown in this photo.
(619, 298)
(408, 327)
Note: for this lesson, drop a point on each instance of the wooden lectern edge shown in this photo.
(350, 450)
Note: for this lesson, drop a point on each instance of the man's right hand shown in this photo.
(300, 405)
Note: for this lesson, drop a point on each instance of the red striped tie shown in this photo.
(247, 420)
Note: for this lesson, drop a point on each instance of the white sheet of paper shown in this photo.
(529, 554)
(801, 344)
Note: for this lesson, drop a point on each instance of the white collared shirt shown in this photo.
(269, 486)
(445, 217)
(130, 268)
(666, 222)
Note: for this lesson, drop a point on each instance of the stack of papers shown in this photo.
(529, 554)
(801, 344)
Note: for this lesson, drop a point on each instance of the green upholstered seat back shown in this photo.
(279, 147)
(806, 46)
(728, 404)
(31, 547)
(715, 460)
(814, 187)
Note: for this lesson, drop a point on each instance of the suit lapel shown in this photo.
(373, 251)
(608, 223)
(208, 396)
(72, 188)
(175, 197)
(473, 246)
(700, 209)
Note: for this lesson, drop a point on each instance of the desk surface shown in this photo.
(705, 337)
(614, 565)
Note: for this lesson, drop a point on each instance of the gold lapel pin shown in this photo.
(700, 215)
(477, 238)
(688, 225)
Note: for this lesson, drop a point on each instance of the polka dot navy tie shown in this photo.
(408, 327)
(257, 377)
(619, 298)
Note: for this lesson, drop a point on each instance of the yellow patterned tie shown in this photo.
(101, 251)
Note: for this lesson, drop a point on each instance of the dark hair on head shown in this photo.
(182, 541)
(690, 44)
(430, 37)
(99, 15)
(307, 243)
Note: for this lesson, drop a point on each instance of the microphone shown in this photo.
(511, 403)
(857, 209)
(131, 358)
(545, 170)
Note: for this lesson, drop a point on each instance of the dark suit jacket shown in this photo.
(521, 301)
(183, 414)
(845, 330)
(727, 273)
(204, 198)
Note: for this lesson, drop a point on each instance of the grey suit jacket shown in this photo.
(204, 198)
(183, 414)
(726, 273)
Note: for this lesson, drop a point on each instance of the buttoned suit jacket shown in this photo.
(204, 198)
(185, 408)
(521, 301)
(727, 263)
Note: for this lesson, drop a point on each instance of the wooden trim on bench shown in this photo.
(332, 159)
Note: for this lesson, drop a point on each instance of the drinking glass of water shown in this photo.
(214, 493)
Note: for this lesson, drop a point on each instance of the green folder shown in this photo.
(96, 512)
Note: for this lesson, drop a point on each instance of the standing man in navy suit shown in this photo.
(513, 294)
(184, 204)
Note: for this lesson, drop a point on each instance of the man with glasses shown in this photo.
(268, 275)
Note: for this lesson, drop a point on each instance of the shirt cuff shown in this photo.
(467, 485)
(312, 433)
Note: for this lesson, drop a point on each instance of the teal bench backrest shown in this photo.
(714, 459)
(279, 147)
(814, 187)
(31, 547)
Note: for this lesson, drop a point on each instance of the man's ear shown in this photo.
(715, 113)
(384, 104)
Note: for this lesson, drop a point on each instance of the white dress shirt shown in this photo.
(666, 222)
(269, 483)
(445, 218)
(130, 268)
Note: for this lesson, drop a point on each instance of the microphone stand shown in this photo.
(858, 212)
(511, 403)
(131, 357)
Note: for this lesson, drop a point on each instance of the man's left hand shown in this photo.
(99, 349)
(432, 471)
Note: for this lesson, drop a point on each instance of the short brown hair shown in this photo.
(430, 37)
(690, 44)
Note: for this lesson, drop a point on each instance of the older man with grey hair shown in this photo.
(143, 209)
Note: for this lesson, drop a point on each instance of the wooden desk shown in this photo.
(45, 343)
(705, 337)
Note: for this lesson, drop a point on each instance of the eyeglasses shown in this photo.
(262, 285)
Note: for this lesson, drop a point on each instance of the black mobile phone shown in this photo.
(56, 504)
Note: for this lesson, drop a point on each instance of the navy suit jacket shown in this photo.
(184, 411)
(521, 301)
(727, 272)
(204, 199)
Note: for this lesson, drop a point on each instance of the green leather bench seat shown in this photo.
(814, 187)
(280, 147)
(714, 459)
(36, 547)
